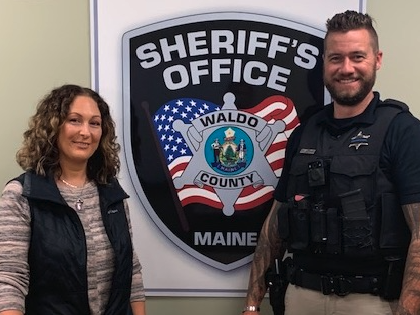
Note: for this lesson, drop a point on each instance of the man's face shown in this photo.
(350, 65)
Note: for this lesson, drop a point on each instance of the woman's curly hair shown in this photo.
(39, 151)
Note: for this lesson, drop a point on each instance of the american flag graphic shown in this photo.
(178, 154)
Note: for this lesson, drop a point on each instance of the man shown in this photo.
(347, 205)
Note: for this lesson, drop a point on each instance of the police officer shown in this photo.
(347, 205)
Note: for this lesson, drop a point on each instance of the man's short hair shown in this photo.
(353, 20)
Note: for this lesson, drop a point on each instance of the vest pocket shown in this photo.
(361, 174)
(334, 228)
(357, 229)
(394, 231)
(300, 224)
(298, 176)
(357, 236)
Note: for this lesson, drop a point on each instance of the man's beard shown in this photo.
(347, 99)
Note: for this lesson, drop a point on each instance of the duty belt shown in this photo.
(333, 284)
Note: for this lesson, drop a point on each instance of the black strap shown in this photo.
(333, 284)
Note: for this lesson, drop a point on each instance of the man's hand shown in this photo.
(269, 248)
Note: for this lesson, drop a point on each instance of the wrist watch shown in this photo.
(251, 308)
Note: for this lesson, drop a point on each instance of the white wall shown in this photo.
(45, 43)
(397, 25)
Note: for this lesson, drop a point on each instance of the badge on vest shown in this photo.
(359, 140)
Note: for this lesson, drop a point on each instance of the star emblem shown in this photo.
(359, 140)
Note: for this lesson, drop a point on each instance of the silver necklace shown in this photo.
(79, 202)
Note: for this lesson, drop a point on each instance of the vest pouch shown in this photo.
(283, 220)
(298, 176)
(334, 229)
(357, 236)
(394, 233)
(300, 225)
(318, 219)
(359, 172)
(357, 230)
(326, 230)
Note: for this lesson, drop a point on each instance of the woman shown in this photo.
(65, 234)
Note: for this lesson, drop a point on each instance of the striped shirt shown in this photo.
(15, 233)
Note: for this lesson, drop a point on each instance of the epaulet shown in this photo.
(389, 101)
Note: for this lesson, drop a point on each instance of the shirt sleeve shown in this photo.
(137, 287)
(15, 231)
(401, 155)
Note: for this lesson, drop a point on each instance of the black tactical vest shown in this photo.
(340, 202)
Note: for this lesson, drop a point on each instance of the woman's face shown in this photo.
(81, 132)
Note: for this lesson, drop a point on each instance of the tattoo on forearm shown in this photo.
(412, 216)
(268, 249)
(409, 302)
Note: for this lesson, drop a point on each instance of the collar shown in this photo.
(339, 126)
(41, 187)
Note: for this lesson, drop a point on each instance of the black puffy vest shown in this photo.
(348, 209)
(57, 253)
